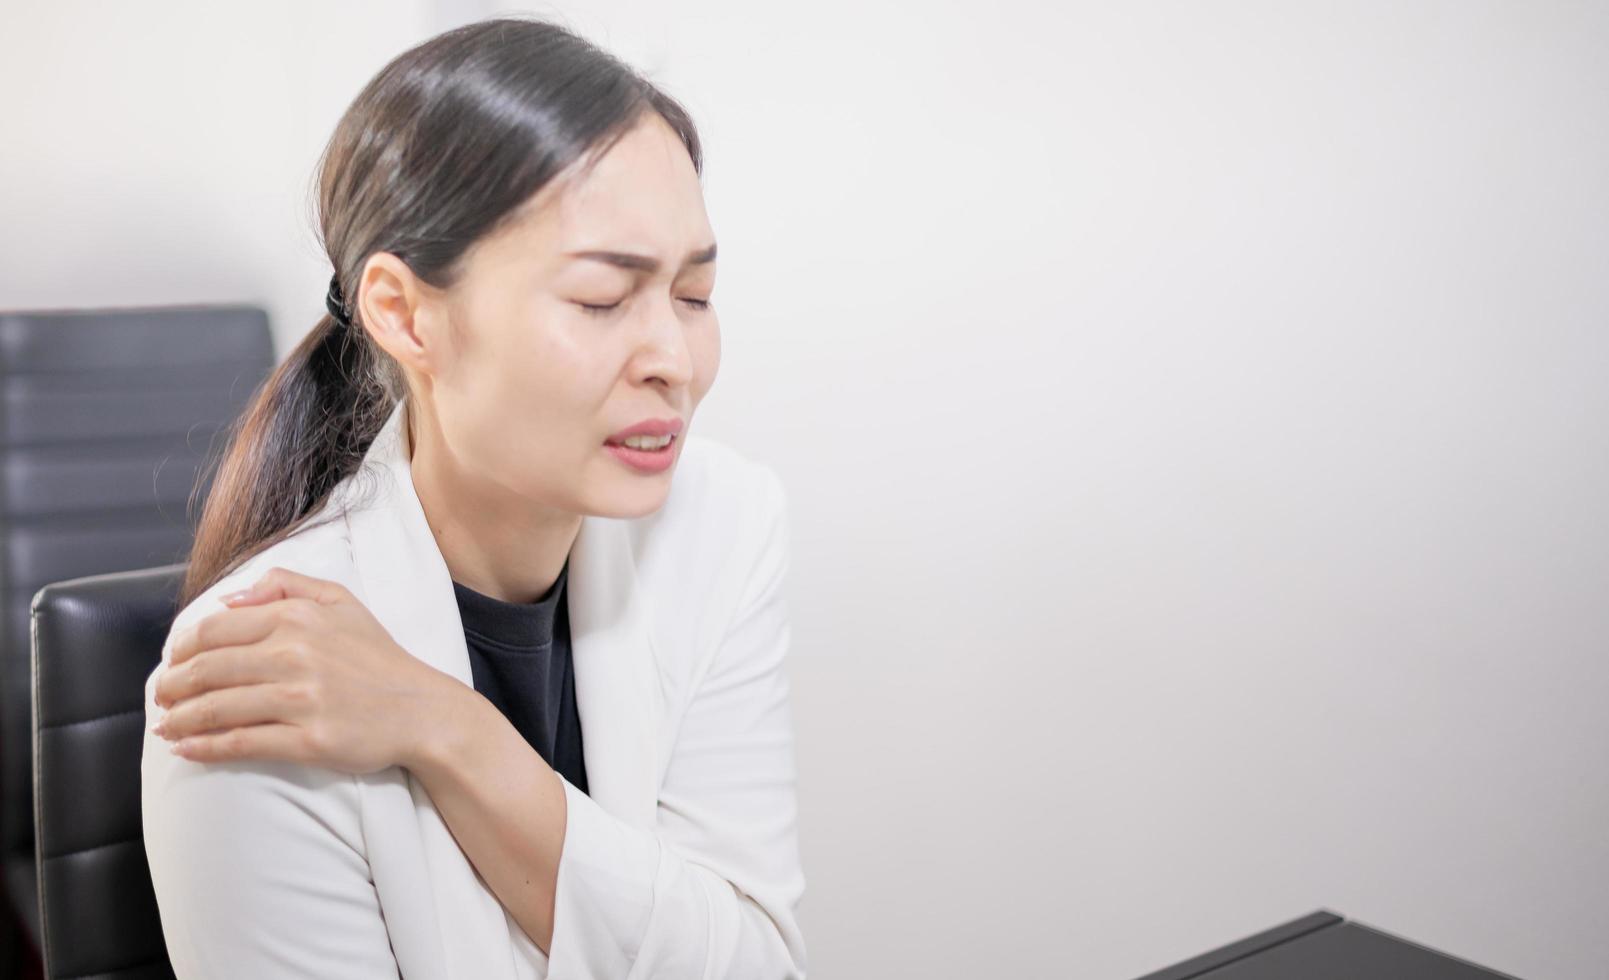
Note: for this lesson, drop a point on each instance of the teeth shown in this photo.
(646, 442)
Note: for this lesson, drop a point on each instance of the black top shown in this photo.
(519, 653)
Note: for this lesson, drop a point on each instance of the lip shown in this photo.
(649, 427)
(647, 460)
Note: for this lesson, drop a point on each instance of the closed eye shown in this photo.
(599, 309)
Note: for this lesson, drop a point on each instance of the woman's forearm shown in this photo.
(503, 803)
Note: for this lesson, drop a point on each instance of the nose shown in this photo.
(663, 352)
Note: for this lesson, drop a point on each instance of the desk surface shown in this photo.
(1324, 946)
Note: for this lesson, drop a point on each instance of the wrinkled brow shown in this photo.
(644, 263)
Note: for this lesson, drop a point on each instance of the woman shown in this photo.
(472, 679)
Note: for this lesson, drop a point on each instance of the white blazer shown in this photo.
(683, 861)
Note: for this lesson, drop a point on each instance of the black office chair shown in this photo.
(95, 641)
(108, 419)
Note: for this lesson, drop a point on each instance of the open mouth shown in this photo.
(647, 445)
(653, 457)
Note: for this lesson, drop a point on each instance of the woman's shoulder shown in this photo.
(196, 817)
(723, 523)
(704, 454)
(721, 496)
(322, 549)
(719, 476)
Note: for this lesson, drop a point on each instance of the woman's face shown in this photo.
(584, 318)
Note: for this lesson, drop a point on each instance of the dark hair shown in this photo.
(439, 150)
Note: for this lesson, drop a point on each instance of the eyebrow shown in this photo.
(644, 263)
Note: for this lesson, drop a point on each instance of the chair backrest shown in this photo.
(107, 419)
(95, 641)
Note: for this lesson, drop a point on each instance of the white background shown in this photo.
(1195, 418)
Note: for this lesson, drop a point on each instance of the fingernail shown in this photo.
(237, 596)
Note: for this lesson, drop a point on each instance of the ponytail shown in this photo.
(305, 431)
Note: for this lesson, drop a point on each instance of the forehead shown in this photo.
(642, 195)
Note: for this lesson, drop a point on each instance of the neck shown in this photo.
(497, 543)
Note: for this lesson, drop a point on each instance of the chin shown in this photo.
(641, 501)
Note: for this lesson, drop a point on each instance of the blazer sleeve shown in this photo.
(714, 891)
(258, 866)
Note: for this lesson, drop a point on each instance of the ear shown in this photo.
(404, 314)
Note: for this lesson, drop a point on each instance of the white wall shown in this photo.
(1195, 417)
(164, 152)
(1197, 421)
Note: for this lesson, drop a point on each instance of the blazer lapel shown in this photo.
(617, 689)
(408, 589)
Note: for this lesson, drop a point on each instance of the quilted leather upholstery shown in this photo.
(95, 640)
(107, 418)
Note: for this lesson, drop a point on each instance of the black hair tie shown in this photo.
(335, 303)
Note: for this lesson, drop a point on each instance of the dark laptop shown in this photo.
(1325, 946)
